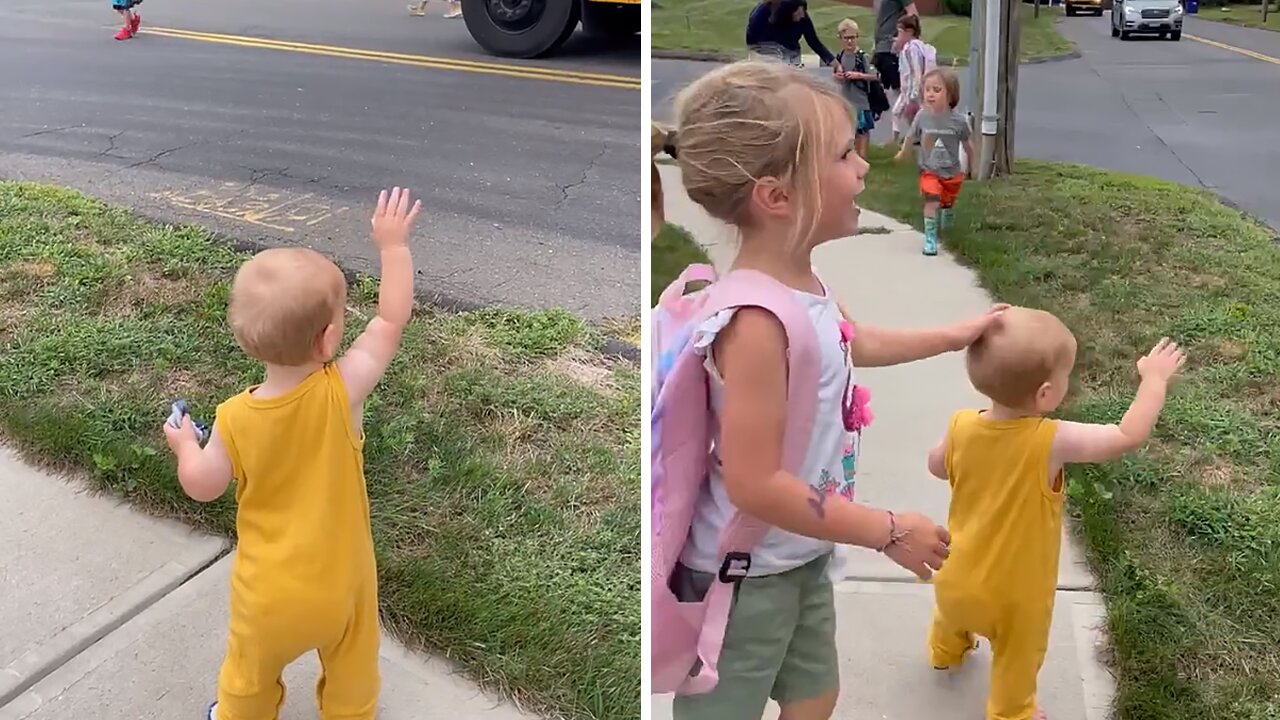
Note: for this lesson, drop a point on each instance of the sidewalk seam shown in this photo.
(47, 658)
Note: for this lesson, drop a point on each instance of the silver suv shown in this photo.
(1146, 17)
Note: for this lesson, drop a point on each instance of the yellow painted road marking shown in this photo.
(276, 210)
(1234, 49)
(518, 71)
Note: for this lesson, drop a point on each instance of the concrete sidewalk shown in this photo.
(884, 614)
(112, 615)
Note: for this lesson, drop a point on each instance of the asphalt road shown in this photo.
(529, 170)
(1189, 112)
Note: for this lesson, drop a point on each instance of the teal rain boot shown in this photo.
(930, 236)
(945, 216)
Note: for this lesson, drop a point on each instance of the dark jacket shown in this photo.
(772, 23)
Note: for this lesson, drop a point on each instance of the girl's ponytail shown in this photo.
(660, 141)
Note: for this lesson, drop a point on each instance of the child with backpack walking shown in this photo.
(946, 152)
(129, 16)
(916, 57)
(754, 404)
(860, 83)
(305, 577)
(1005, 467)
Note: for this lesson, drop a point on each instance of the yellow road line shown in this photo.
(1234, 49)
(517, 71)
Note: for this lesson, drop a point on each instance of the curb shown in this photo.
(612, 347)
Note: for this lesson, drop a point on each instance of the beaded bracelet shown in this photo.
(894, 536)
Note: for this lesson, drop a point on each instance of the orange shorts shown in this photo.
(947, 190)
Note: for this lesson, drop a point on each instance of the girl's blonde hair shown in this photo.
(748, 121)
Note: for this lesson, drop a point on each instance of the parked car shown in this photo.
(1147, 17)
(1076, 7)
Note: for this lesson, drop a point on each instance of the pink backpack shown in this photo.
(689, 635)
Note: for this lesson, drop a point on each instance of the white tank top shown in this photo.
(823, 465)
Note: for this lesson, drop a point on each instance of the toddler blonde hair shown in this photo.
(846, 25)
(747, 121)
(282, 300)
(1019, 354)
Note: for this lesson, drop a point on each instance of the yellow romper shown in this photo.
(1006, 530)
(304, 576)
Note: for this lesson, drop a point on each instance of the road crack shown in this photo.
(111, 145)
(1124, 97)
(50, 131)
(591, 165)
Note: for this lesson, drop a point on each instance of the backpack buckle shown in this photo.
(735, 567)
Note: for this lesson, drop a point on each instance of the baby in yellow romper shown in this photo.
(304, 576)
(1005, 467)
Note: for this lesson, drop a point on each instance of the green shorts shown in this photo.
(780, 644)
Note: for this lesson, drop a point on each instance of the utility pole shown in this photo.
(1001, 28)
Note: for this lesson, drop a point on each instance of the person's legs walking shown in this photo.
(349, 682)
(947, 202)
(886, 64)
(948, 642)
(931, 192)
(250, 683)
(761, 626)
(126, 19)
(1019, 645)
(808, 683)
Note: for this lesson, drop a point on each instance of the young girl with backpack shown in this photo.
(755, 402)
(917, 57)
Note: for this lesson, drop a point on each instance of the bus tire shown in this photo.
(521, 28)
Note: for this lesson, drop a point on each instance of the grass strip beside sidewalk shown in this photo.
(673, 251)
(502, 455)
(1242, 15)
(718, 27)
(1183, 535)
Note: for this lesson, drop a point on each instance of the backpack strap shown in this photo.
(750, 288)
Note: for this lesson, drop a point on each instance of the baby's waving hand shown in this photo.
(365, 362)
(1092, 443)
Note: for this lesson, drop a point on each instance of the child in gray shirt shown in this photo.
(941, 132)
(855, 75)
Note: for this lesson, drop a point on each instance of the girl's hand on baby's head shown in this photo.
(963, 334)
(1163, 362)
(393, 218)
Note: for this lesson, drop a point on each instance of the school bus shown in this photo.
(535, 28)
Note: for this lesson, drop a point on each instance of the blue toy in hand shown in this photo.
(177, 411)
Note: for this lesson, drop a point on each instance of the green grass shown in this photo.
(673, 251)
(502, 456)
(717, 26)
(1243, 15)
(1184, 535)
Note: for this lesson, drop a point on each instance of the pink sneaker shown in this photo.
(124, 34)
(137, 20)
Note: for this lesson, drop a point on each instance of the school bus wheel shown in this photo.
(521, 28)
